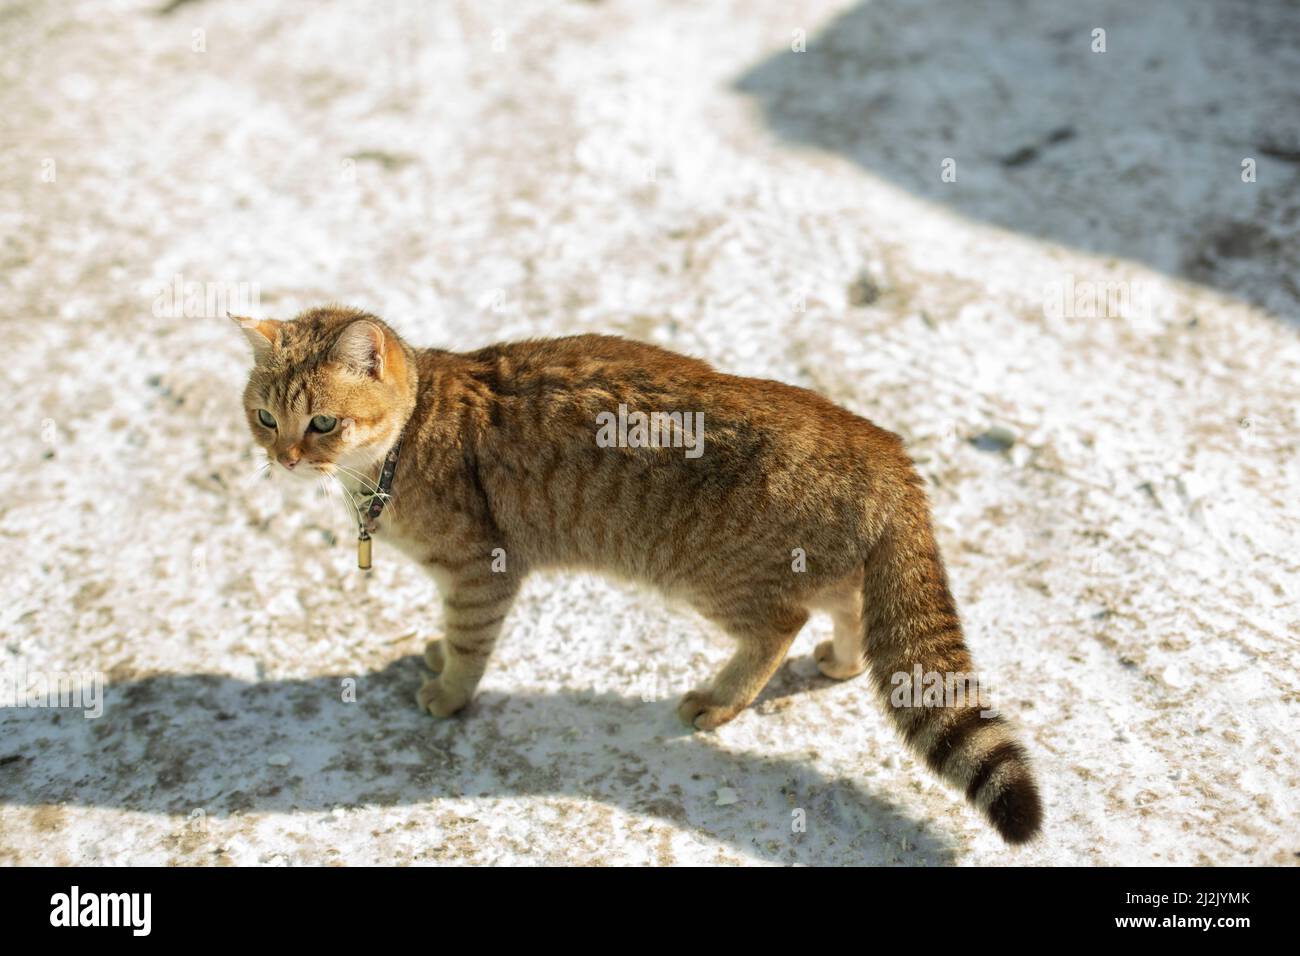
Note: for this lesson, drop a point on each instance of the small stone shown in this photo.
(998, 438)
(279, 760)
(726, 797)
(863, 290)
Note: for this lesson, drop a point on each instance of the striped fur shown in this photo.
(795, 506)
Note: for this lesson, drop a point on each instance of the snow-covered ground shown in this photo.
(1089, 340)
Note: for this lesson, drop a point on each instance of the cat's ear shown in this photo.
(262, 334)
(361, 347)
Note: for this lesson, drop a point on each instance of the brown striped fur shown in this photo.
(500, 463)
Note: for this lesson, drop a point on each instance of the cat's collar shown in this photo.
(368, 519)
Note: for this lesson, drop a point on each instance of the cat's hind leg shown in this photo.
(764, 636)
(844, 655)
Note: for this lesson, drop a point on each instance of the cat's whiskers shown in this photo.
(357, 476)
(369, 489)
(343, 492)
(258, 472)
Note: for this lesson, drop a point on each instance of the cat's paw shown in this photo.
(433, 656)
(438, 700)
(831, 666)
(699, 710)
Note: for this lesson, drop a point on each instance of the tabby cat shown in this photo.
(791, 505)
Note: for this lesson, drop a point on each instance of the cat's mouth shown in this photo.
(309, 470)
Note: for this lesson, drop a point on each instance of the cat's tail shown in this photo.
(921, 667)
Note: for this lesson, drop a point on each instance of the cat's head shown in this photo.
(329, 390)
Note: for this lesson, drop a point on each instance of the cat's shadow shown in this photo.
(177, 744)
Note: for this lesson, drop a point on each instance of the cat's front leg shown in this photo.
(475, 607)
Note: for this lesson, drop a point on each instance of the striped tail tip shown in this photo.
(978, 754)
(1016, 811)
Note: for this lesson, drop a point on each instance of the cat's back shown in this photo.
(592, 373)
(544, 366)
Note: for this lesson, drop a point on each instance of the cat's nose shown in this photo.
(289, 460)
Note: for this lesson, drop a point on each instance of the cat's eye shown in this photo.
(266, 418)
(323, 424)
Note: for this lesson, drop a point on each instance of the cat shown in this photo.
(794, 505)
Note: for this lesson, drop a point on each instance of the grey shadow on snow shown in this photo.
(1134, 152)
(171, 744)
